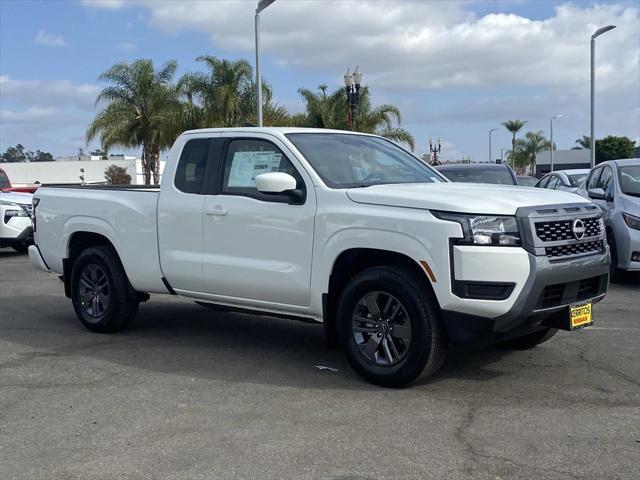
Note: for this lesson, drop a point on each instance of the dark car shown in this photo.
(526, 180)
(479, 173)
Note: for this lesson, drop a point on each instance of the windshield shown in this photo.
(346, 161)
(477, 174)
(527, 181)
(575, 179)
(4, 181)
(630, 180)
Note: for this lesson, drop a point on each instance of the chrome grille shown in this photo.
(574, 249)
(558, 230)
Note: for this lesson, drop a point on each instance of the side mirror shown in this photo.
(275, 182)
(596, 193)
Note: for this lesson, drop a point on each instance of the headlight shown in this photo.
(631, 221)
(9, 214)
(485, 229)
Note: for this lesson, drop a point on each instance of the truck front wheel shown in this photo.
(389, 326)
(100, 291)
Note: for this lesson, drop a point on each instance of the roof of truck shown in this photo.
(282, 130)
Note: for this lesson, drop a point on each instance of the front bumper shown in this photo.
(547, 293)
(23, 238)
(627, 243)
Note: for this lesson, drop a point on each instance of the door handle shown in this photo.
(217, 210)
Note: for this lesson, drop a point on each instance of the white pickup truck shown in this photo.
(342, 228)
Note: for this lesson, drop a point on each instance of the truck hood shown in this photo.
(19, 198)
(461, 197)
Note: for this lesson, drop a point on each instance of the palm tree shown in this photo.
(225, 96)
(325, 110)
(583, 143)
(534, 143)
(514, 127)
(139, 107)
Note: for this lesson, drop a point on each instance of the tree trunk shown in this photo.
(145, 164)
(155, 164)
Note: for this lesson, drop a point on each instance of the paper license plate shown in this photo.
(580, 316)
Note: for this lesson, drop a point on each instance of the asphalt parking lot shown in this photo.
(188, 393)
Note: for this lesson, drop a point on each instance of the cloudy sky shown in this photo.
(456, 69)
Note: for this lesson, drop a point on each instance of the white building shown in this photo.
(562, 160)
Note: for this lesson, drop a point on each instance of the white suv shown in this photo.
(16, 230)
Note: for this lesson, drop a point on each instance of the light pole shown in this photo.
(490, 153)
(352, 83)
(434, 151)
(262, 4)
(552, 119)
(595, 35)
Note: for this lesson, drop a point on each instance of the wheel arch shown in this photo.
(351, 262)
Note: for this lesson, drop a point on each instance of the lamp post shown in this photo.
(490, 153)
(551, 147)
(262, 4)
(434, 151)
(595, 35)
(352, 83)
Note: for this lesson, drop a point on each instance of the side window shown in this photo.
(248, 158)
(606, 182)
(543, 182)
(553, 183)
(193, 160)
(593, 179)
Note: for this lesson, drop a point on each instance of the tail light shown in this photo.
(34, 202)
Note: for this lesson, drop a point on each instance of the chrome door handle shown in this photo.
(217, 210)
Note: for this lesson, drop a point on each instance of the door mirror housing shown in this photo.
(596, 193)
(275, 182)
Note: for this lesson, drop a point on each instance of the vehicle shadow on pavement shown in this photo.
(181, 338)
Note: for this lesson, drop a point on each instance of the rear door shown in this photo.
(180, 211)
(258, 247)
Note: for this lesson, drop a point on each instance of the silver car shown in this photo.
(615, 187)
(567, 180)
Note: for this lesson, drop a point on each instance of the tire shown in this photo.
(21, 248)
(615, 273)
(391, 353)
(530, 340)
(98, 273)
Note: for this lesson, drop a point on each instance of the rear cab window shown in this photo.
(192, 164)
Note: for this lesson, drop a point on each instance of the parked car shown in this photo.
(5, 185)
(615, 187)
(479, 173)
(567, 180)
(526, 180)
(342, 228)
(15, 221)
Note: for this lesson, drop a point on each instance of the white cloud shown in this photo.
(50, 39)
(422, 45)
(107, 4)
(58, 93)
(31, 114)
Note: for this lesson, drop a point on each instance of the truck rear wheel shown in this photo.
(100, 291)
(530, 340)
(389, 326)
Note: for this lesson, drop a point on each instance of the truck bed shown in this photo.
(125, 215)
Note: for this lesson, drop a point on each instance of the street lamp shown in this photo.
(490, 153)
(595, 35)
(262, 4)
(352, 83)
(434, 151)
(552, 119)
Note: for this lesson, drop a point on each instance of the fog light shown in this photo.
(635, 257)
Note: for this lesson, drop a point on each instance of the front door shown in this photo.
(258, 247)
